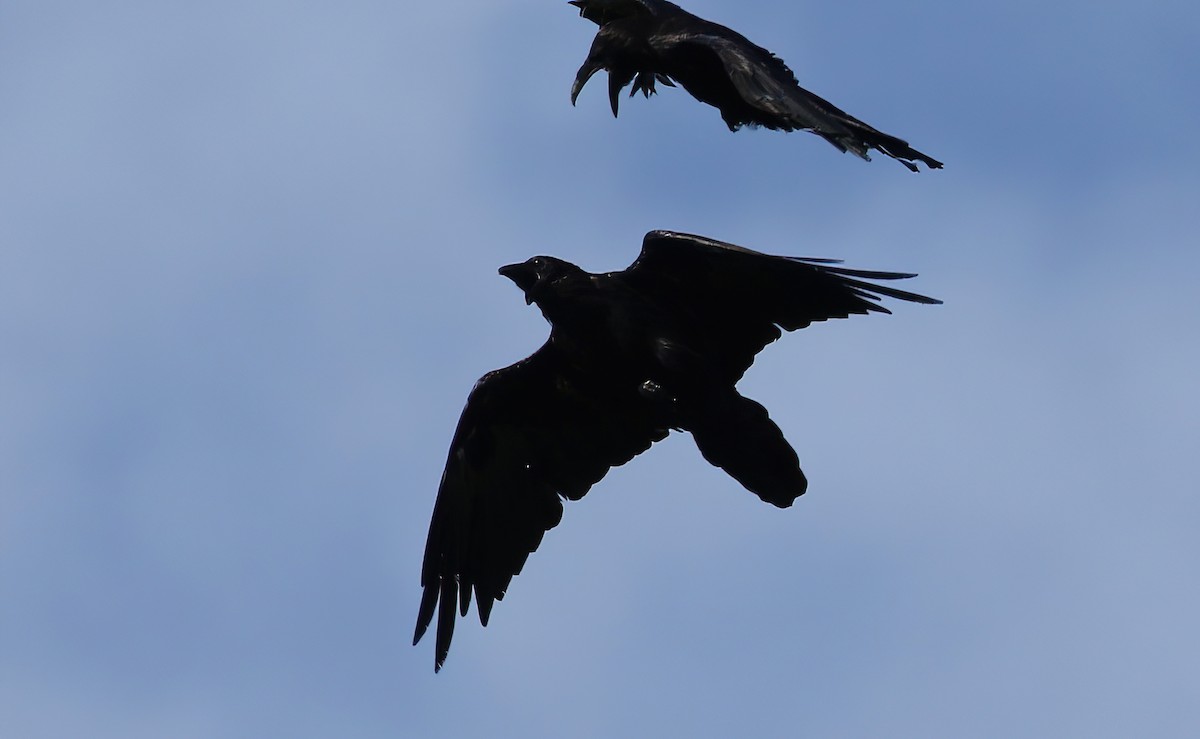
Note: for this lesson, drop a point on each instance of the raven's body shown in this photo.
(643, 41)
(631, 355)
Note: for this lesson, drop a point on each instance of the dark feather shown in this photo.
(530, 434)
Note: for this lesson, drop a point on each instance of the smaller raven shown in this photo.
(648, 41)
(631, 356)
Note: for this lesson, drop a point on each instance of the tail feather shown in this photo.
(737, 435)
(897, 149)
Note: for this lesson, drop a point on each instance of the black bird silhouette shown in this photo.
(644, 41)
(631, 355)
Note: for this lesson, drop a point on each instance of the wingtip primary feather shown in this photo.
(465, 602)
(445, 627)
(891, 292)
(425, 612)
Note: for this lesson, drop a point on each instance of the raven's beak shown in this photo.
(577, 3)
(523, 275)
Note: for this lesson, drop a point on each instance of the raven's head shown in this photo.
(537, 276)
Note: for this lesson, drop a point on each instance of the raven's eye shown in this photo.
(538, 261)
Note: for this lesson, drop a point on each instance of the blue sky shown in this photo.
(247, 278)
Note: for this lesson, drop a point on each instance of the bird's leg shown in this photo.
(643, 83)
(651, 390)
(661, 400)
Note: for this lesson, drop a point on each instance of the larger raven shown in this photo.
(631, 356)
(641, 41)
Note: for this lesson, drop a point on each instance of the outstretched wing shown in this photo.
(762, 80)
(606, 11)
(742, 298)
(531, 434)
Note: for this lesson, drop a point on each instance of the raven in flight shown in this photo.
(631, 355)
(643, 41)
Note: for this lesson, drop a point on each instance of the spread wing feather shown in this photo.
(743, 297)
(601, 12)
(531, 434)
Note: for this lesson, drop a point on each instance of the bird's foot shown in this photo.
(644, 83)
